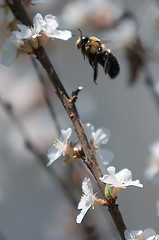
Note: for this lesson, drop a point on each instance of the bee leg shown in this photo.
(83, 55)
(95, 73)
(83, 51)
(95, 68)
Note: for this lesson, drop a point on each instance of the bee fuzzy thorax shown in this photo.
(97, 53)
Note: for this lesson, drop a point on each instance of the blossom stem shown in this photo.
(115, 192)
(100, 202)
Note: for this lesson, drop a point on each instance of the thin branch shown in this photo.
(71, 110)
(149, 80)
(48, 101)
(150, 83)
(90, 231)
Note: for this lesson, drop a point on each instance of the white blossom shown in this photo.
(48, 26)
(87, 200)
(99, 138)
(147, 234)
(153, 163)
(12, 44)
(10, 53)
(62, 146)
(121, 179)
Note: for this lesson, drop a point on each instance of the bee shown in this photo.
(96, 52)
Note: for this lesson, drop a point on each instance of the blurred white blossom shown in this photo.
(147, 234)
(153, 161)
(149, 22)
(5, 12)
(10, 53)
(123, 34)
(81, 12)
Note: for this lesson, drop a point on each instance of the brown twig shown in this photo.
(71, 110)
(90, 231)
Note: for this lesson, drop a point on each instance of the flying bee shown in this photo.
(96, 52)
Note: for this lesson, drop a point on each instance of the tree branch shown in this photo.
(71, 110)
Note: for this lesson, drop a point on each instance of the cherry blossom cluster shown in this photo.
(25, 39)
(70, 150)
(119, 180)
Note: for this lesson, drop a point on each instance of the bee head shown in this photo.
(81, 40)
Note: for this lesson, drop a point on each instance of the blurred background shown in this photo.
(39, 203)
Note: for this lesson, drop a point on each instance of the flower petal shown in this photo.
(66, 134)
(124, 175)
(87, 186)
(148, 234)
(25, 32)
(101, 136)
(53, 154)
(51, 21)
(10, 55)
(104, 156)
(61, 34)
(82, 214)
(111, 170)
(38, 22)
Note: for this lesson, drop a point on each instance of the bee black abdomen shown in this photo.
(114, 67)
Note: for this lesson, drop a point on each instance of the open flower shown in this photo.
(99, 138)
(48, 26)
(119, 180)
(63, 146)
(25, 38)
(88, 199)
(147, 234)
